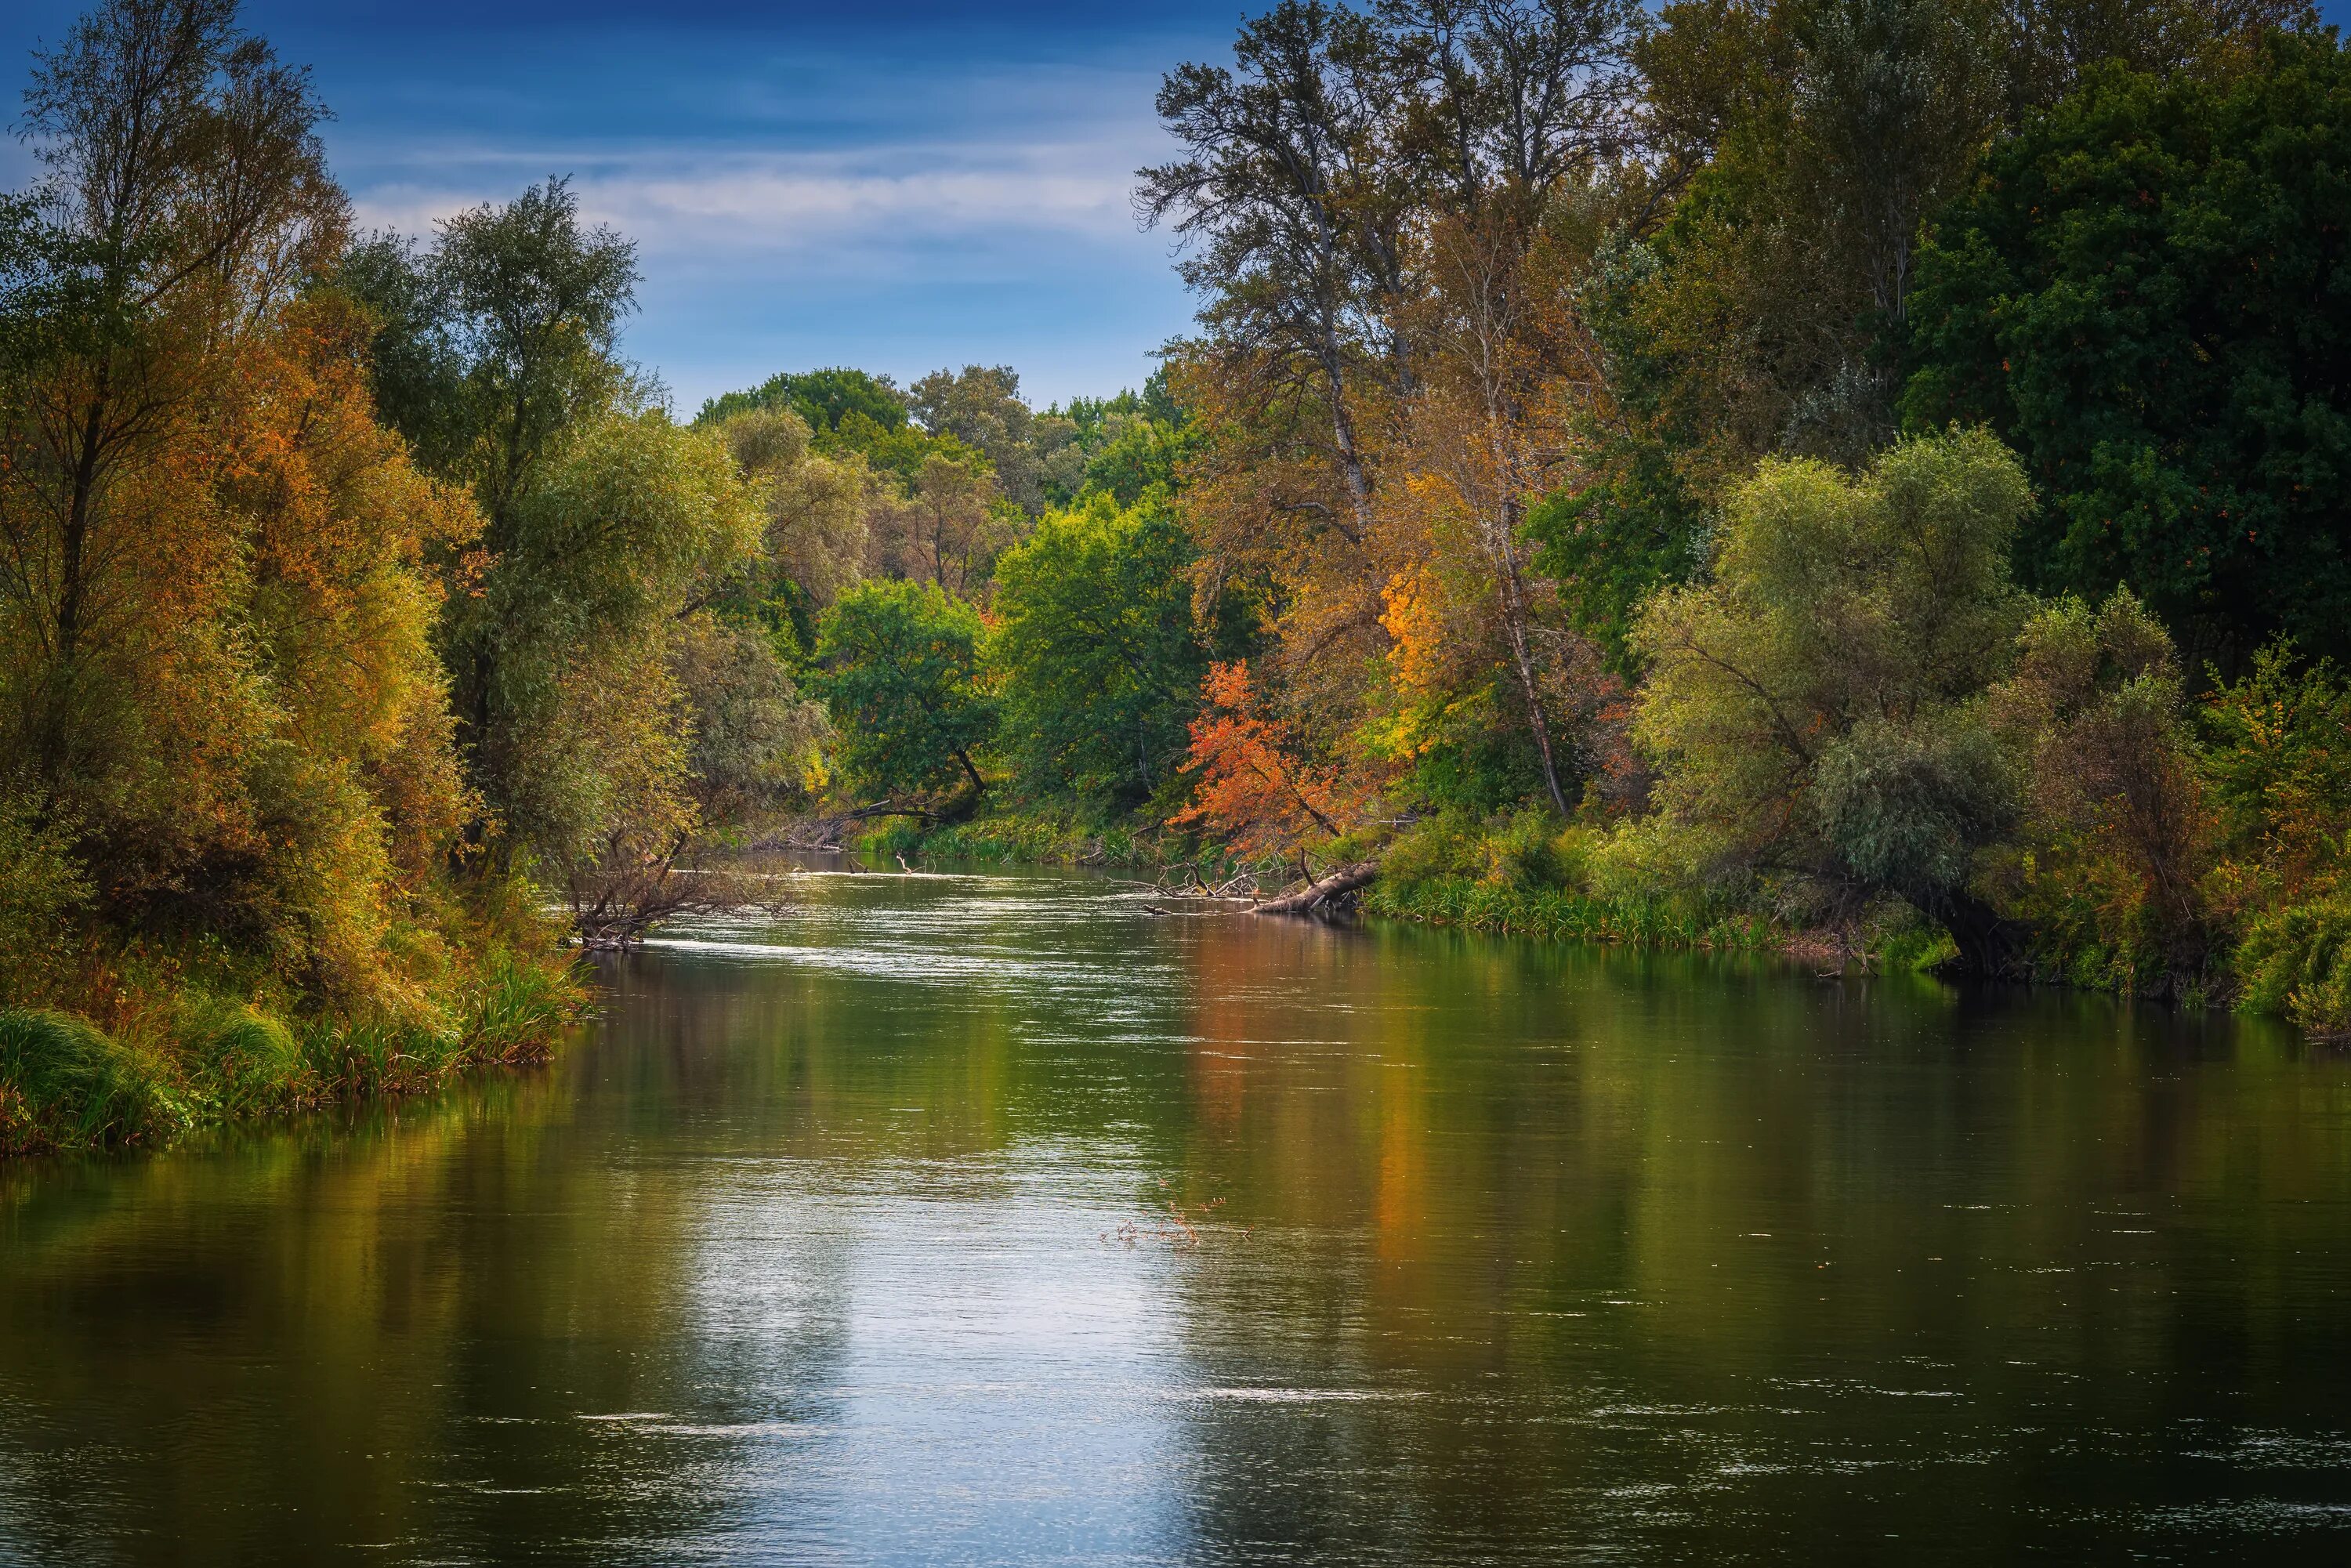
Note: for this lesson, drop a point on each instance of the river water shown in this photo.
(994, 1219)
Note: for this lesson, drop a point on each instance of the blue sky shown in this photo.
(897, 189)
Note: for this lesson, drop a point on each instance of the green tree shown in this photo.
(980, 406)
(1812, 710)
(1144, 452)
(823, 398)
(499, 338)
(899, 671)
(584, 736)
(2146, 294)
(496, 354)
(817, 532)
(1096, 652)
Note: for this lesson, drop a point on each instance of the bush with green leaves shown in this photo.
(1814, 709)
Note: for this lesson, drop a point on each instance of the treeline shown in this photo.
(1864, 470)
(1863, 475)
(362, 605)
(1869, 468)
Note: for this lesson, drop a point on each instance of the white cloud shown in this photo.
(805, 206)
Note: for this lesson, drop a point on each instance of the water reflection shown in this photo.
(867, 1237)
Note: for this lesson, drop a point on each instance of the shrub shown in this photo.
(41, 885)
(2297, 960)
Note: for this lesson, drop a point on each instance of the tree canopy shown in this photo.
(2145, 294)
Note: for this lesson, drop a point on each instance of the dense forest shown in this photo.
(1862, 476)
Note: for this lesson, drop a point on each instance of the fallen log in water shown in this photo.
(1316, 894)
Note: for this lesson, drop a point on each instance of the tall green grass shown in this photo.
(65, 1084)
(1558, 914)
(1046, 837)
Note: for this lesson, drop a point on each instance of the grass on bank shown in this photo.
(137, 1042)
(1528, 875)
(1046, 836)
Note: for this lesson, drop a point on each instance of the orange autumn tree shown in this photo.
(220, 714)
(1255, 790)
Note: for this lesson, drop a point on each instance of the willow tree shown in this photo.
(186, 192)
(1815, 709)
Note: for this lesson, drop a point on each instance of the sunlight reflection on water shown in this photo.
(989, 1218)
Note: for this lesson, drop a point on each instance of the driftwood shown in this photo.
(1320, 895)
(1184, 880)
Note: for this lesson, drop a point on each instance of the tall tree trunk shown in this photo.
(74, 546)
(1350, 454)
(1514, 622)
(1510, 586)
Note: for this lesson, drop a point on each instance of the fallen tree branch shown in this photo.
(1318, 894)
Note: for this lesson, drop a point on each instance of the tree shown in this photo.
(186, 194)
(495, 355)
(1506, 370)
(1293, 196)
(1095, 652)
(900, 664)
(817, 523)
(2114, 821)
(1255, 790)
(584, 736)
(2146, 295)
(1512, 100)
(1136, 453)
(823, 398)
(2051, 44)
(755, 740)
(980, 406)
(1812, 710)
(1336, 181)
(499, 339)
(947, 527)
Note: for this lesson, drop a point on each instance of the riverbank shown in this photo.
(135, 1043)
(1529, 875)
(1479, 877)
(1045, 837)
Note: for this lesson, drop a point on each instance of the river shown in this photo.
(992, 1219)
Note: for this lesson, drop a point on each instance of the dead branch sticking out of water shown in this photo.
(1184, 880)
(1177, 1228)
(628, 889)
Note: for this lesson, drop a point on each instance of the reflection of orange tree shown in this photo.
(1255, 789)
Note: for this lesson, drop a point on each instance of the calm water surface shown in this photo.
(991, 1219)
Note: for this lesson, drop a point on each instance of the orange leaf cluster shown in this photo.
(1254, 791)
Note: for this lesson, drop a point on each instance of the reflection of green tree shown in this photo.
(382, 1334)
(1444, 1146)
(1459, 1175)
